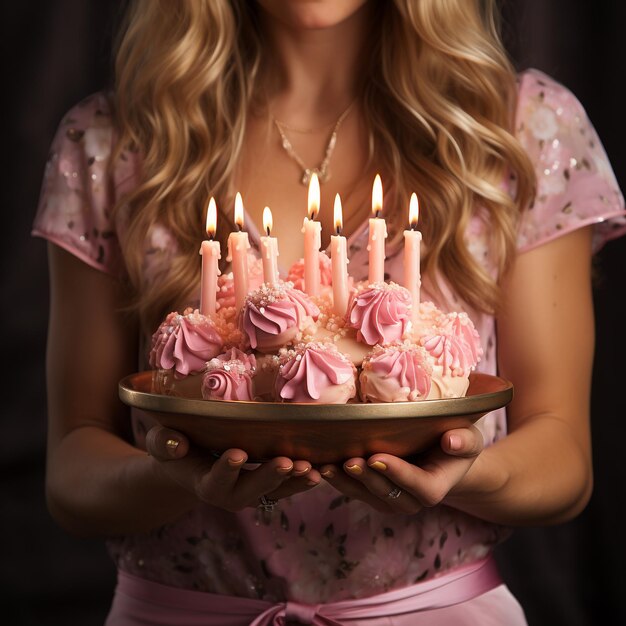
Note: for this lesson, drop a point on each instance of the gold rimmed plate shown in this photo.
(319, 433)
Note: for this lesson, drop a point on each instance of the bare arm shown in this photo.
(97, 482)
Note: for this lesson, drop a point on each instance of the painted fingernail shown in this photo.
(284, 470)
(354, 469)
(378, 465)
(328, 474)
(236, 462)
(455, 442)
(171, 445)
(302, 472)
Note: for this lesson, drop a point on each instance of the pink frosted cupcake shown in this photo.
(315, 373)
(396, 373)
(380, 313)
(276, 316)
(229, 376)
(454, 345)
(184, 343)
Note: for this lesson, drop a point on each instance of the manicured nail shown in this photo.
(378, 465)
(328, 474)
(354, 469)
(311, 483)
(171, 445)
(455, 442)
(236, 462)
(284, 470)
(306, 470)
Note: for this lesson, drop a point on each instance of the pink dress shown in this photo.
(319, 547)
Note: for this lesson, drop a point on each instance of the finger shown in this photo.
(381, 487)
(294, 485)
(428, 484)
(165, 444)
(351, 488)
(262, 481)
(217, 485)
(463, 442)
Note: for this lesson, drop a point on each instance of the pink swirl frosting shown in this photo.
(296, 272)
(455, 344)
(185, 343)
(230, 380)
(247, 361)
(273, 316)
(380, 313)
(316, 373)
(396, 373)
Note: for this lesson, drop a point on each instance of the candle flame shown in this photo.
(314, 196)
(414, 211)
(211, 219)
(238, 211)
(377, 196)
(268, 222)
(337, 214)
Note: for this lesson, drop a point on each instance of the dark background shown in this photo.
(55, 54)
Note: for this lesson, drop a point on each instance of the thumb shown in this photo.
(165, 444)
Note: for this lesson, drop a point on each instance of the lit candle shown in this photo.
(269, 250)
(377, 235)
(238, 246)
(339, 261)
(211, 254)
(412, 242)
(312, 240)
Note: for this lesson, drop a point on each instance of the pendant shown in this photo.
(322, 176)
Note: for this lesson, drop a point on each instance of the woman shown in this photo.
(223, 96)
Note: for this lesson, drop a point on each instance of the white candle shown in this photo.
(211, 254)
(269, 250)
(238, 246)
(377, 235)
(412, 245)
(339, 262)
(312, 240)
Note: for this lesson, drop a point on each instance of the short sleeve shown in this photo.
(78, 191)
(576, 185)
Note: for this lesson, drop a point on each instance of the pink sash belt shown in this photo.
(139, 601)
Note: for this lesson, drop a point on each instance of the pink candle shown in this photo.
(211, 254)
(238, 246)
(312, 240)
(377, 235)
(339, 261)
(269, 250)
(412, 243)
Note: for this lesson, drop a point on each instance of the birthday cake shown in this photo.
(315, 337)
(286, 346)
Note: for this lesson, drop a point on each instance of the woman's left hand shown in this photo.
(394, 485)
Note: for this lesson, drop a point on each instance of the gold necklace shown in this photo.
(323, 171)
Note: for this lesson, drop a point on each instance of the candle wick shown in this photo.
(238, 226)
(377, 213)
(413, 226)
(267, 230)
(339, 230)
(211, 235)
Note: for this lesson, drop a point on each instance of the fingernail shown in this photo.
(354, 469)
(328, 474)
(455, 442)
(379, 465)
(306, 470)
(284, 470)
(311, 483)
(235, 462)
(171, 445)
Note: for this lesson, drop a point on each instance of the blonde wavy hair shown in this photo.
(440, 104)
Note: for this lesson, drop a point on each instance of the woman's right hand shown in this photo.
(225, 482)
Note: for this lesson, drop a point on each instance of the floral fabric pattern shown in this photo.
(321, 546)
